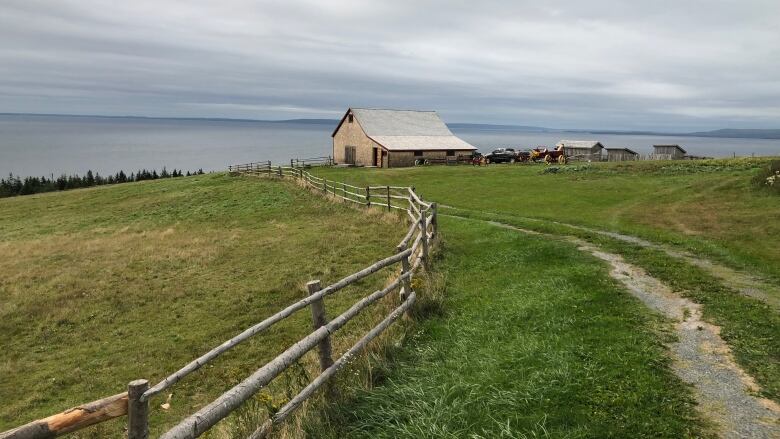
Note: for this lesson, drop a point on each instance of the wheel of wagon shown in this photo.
(512, 160)
(548, 159)
(426, 162)
(487, 161)
(562, 159)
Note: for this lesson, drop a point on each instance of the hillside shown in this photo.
(105, 285)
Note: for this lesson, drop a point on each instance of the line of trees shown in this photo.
(15, 185)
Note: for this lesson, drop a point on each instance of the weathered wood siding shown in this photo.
(674, 152)
(621, 155)
(400, 159)
(583, 153)
(351, 134)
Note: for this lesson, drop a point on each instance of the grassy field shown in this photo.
(105, 285)
(537, 341)
(709, 207)
(102, 286)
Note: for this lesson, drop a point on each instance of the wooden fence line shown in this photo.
(135, 402)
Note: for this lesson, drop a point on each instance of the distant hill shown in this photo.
(740, 133)
(723, 133)
(332, 122)
(491, 127)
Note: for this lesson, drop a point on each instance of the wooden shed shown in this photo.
(669, 152)
(621, 154)
(582, 149)
(394, 138)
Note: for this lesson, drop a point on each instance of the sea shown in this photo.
(54, 145)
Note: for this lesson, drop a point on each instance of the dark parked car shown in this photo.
(501, 155)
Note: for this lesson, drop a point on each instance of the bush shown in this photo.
(769, 177)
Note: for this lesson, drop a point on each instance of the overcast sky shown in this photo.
(677, 65)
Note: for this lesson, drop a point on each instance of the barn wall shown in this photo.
(619, 156)
(583, 153)
(399, 159)
(671, 150)
(351, 134)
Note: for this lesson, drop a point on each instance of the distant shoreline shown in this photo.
(728, 133)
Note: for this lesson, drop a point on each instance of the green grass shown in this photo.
(537, 341)
(710, 207)
(102, 286)
(750, 326)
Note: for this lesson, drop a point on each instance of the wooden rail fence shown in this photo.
(411, 253)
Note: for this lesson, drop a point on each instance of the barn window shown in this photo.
(350, 117)
(418, 153)
(450, 153)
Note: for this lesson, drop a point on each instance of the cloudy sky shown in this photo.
(676, 65)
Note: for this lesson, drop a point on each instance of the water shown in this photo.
(45, 145)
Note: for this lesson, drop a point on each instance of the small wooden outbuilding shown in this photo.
(669, 152)
(394, 138)
(621, 154)
(582, 149)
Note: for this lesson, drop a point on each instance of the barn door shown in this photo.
(349, 155)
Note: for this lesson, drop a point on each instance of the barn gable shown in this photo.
(390, 138)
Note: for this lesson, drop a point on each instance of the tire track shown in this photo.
(700, 357)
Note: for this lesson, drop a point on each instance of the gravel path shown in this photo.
(745, 283)
(726, 394)
(701, 357)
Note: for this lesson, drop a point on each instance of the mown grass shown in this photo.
(710, 207)
(536, 341)
(102, 286)
(750, 326)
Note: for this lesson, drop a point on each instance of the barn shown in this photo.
(621, 154)
(669, 152)
(581, 149)
(394, 138)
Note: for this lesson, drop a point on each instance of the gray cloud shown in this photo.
(598, 64)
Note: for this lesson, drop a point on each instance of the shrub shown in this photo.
(769, 177)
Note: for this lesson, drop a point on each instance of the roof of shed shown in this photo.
(406, 130)
(589, 144)
(671, 145)
(621, 149)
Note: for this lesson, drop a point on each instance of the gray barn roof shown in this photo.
(671, 146)
(401, 123)
(406, 130)
(584, 144)
(622, 149)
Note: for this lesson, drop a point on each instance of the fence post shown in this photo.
(368, 196)
(344, 189)
(291, 163)
(434, 219)
(269, 168)
(280, 170)
(406, 266)
(424, 240)
(319, 318)
(325, 185)
(137, 411)
(388, 199)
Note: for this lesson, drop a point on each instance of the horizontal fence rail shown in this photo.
(411, 253)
